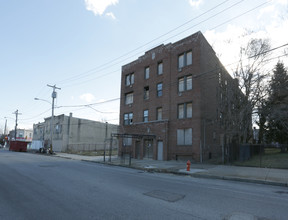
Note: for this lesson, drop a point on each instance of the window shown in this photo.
(181, 111)
(189, 110)
(160, 68)
(220, 78)
(127, 141)
(189, 58)
(145, 115)
(184, 136)
(129, 98)
(146, 92)
(128, 118)
(159, 89)
(58, 129)
(185, 83)
(185, 59)
(181, 84)
(146, 72)
(159, 114)
(129, 79)
(188, 82)
(185, 110)
(181, 61)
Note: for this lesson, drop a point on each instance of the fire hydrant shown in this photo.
(188, 165)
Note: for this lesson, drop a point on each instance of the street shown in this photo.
(35, 186)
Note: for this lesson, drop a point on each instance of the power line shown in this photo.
(229, 20)
(110, 63)
(96, 103)
(166, 87)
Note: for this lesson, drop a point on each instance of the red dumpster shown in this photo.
(20, 146)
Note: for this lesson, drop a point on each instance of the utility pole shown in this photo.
(106, 133)
(16, 113)
(54, 95)
(5, 126)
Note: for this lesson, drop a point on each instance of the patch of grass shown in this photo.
(271, 158)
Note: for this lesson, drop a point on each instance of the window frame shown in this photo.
(187, 56)
(129, 119)
(147, 72)
(129, 79)
(159, 91)
(127, 97)
(160, 70)
(146, 93)
(184, 59)
(184, 137)
(183, 110)
(146, 115)
(158, 110)
(127, 141)
(183, 83)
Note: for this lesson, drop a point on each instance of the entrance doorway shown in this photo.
(137, 150)
(160, 150)
(148, 149)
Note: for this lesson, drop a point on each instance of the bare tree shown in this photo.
(252, 78)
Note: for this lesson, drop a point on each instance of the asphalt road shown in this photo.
(34, 186)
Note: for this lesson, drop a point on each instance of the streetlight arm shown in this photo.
(42, 100)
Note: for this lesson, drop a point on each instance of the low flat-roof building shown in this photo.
(74, 134)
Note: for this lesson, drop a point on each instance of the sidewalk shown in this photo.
(278, 177)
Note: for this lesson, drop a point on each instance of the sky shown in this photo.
(81, 45)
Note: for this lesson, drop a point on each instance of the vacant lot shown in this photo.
(271, 158)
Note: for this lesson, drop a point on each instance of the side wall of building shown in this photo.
(74, 134)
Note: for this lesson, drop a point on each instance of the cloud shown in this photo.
(195, 3)
(269, 9)
(99, 6)
(281, 2)
(229, 40)
(111, 15)
(87, 97)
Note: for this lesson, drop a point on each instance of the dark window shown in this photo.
(146, 92)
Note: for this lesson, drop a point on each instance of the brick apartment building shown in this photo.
(174, 103)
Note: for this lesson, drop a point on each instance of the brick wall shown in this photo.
(205, 97)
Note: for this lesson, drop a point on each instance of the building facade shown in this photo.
(21, 135)
(174, 103)
(73, 134)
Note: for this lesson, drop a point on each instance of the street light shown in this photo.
(42, 100)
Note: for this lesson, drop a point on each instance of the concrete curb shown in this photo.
(195, 175)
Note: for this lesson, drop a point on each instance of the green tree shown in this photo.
(278, 106)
